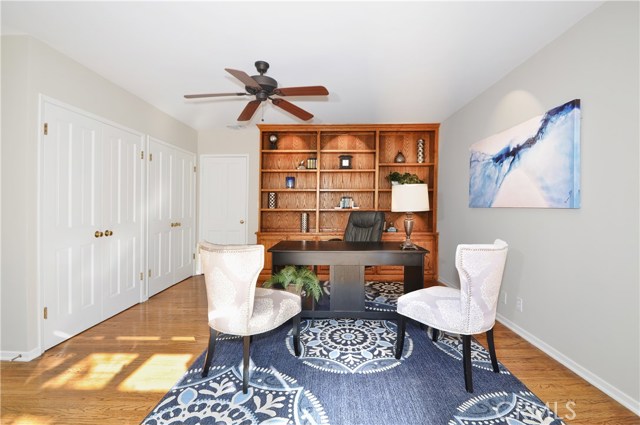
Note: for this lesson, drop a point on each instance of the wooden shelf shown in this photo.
(318, 191)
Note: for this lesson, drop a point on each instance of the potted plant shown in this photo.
(296, 279)
(407, 178)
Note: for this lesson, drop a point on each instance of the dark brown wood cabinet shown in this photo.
(314, 158)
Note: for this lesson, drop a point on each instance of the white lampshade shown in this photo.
(409, 197)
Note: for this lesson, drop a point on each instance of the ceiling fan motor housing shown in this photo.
(268, 85)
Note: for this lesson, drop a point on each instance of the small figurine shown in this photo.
(301, 166)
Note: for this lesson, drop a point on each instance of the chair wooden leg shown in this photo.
(296, 334)
(492, 351)
(434, 334)
(466, 360)
(213, 334)
(245, 363)
(402, 324)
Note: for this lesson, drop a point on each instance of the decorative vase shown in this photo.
(304, 222)
(420, 151)
(399, 158)
(273, 198)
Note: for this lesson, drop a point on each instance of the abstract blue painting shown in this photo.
(535, 164)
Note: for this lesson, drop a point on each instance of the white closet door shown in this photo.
(71, 274)
(160, 223)
(171, 206)
(183, 212)
(122, 219)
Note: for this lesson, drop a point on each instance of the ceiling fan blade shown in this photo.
(197, 96)
(244, 77)
(292, 109)
(302, 91)
(249, 110)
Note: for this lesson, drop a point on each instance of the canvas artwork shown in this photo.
(535, 164)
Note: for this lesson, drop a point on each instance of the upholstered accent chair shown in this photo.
(466, 311)
(364, 226)
(236, 306)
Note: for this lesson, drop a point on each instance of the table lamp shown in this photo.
(409, 198)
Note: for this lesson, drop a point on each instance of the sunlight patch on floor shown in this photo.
(26, 419)
(93, 372)
(159, 373)
(138, 338)
(183, 338)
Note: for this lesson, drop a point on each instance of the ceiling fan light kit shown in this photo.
(263, 88)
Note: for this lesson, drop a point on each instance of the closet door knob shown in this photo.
(241, 221)
(98, 234)
(108, 233)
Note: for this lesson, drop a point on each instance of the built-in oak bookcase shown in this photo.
(322, 182)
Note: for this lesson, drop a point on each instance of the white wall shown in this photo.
(576, 270)
(31, 68)
(241, 141)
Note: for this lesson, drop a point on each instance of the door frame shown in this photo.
(40, 278)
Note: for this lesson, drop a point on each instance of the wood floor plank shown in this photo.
(116, 372)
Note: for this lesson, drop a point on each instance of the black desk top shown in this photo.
(341, 246)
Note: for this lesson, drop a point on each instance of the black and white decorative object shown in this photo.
(273, 200)
(304, 222)
(420, 151)
(399, 158)
(345, 161)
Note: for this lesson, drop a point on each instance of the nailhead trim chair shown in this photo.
(466, 311)
(236, 306)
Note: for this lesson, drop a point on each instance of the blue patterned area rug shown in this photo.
(347, 375)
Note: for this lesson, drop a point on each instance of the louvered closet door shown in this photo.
(71, 255)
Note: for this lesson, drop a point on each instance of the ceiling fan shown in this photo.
(263, 88)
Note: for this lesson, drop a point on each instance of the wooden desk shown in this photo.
(346, 261)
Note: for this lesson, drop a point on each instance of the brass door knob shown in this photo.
(98, 234)
(241, 221)
(108, 233)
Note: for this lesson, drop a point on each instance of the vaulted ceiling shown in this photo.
(381, 61)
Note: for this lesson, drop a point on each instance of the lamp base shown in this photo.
(408, 228)
(407, 244)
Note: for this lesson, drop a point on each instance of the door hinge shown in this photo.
(194, 255)
(150, 157)
(46, 129)
(141, 154)
(194, 168)
(149, 272)
(46, 313)
(141, 276)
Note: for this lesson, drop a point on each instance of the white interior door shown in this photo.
(171, 211)
(223, 199)
(183, 212)
(71, 250)
(122, 220)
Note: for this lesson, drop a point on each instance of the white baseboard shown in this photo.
(20, 356)
(613, 392)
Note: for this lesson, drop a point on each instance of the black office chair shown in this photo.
(364, 226)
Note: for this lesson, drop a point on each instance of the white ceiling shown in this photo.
(381, 61)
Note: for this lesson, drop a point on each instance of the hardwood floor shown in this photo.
(116, 372)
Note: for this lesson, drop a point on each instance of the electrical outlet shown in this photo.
(519, 304)
(504, 297)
